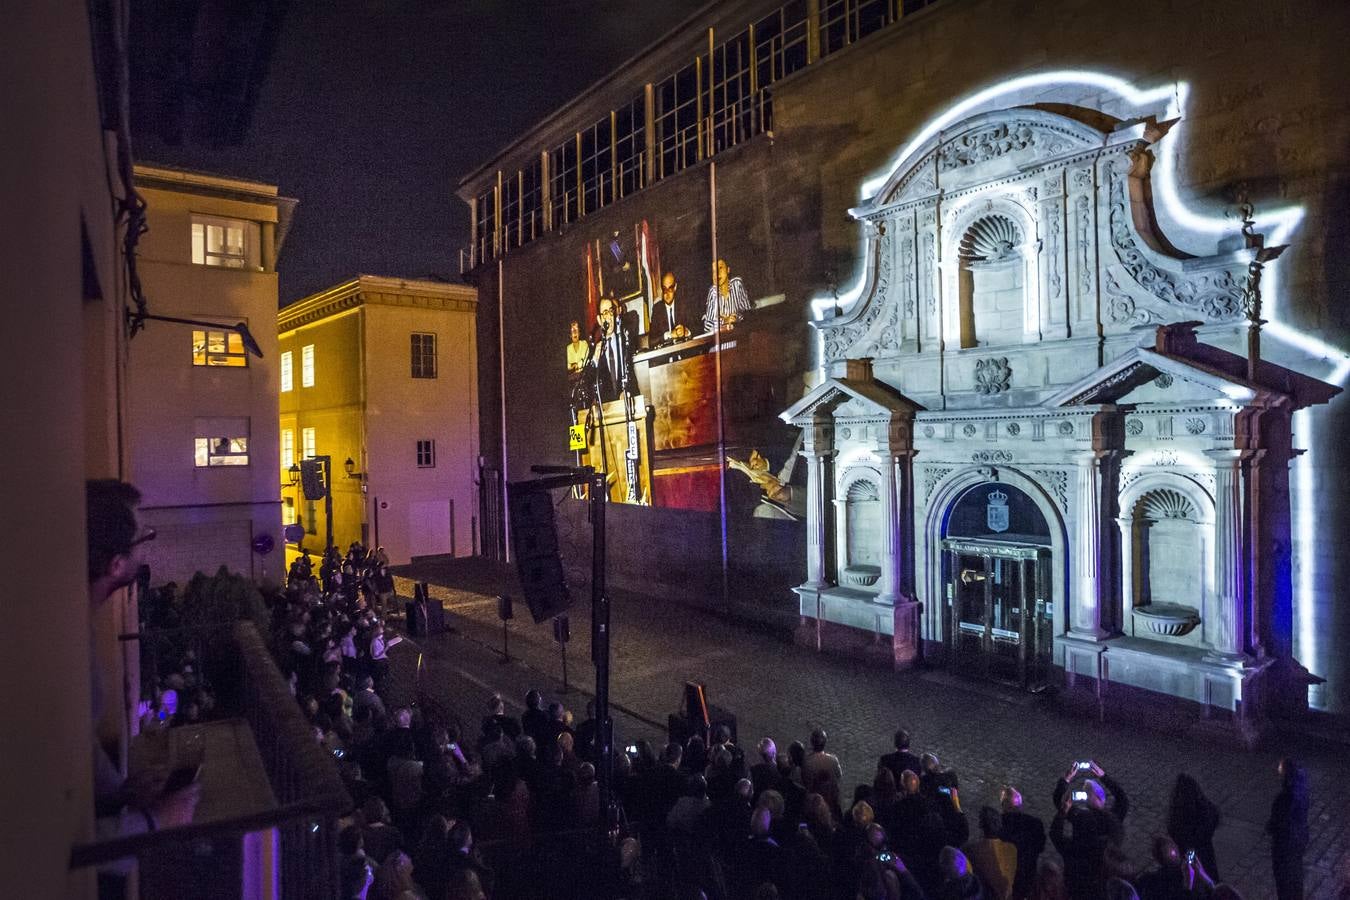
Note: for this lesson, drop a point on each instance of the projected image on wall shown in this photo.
(666, 364)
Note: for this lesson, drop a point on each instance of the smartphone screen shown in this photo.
(1080, 796)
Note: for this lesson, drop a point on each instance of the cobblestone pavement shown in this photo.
(989, 735)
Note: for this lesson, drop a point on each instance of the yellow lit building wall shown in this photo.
(367, 406)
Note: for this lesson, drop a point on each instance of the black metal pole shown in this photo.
(604, 732)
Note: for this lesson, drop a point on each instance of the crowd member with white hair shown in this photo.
(1025, 832)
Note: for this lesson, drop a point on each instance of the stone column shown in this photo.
(1228, 617)
(891, 556)
(817, 450)
(1126, 526)
(1086, 593)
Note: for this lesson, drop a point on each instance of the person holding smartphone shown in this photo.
(1095, 834)
(1177, 876)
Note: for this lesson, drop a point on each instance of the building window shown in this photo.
(218, 348)
(597, 176)
(287, 449)
(223, 242)
(426, 454)
(735, 109)
(781, 42)
(630, 146)
(487, 225)
(287, 510)
(531, 202)
(510, 210)
(307, 366)
(311, 516)
(423, 355)
(562, 172)
(221, 442)
(307, 444)
(677, 126)
(287, 372)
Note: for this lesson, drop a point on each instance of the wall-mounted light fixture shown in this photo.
(136, 321)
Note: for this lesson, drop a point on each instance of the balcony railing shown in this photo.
(286, 846)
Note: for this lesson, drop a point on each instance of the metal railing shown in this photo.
(205, 859)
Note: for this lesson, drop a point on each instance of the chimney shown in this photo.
(858, 369)
(1176, 339)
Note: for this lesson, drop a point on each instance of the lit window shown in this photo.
(220, 242)
(287, 510)
(307, 444)
(218, 348)
(424, 356)
(222, 451)
(307, 366)
(287, 372)
(287, 448)
(426, 454)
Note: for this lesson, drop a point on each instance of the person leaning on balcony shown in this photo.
(116, 542)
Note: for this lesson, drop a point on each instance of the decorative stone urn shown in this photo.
(1168, 619)
(861, 576)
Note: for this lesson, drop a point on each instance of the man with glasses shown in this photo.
(116, 549)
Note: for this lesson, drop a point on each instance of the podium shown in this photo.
(621, 449)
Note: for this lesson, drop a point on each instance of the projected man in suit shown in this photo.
(671, 318)
(612, 354)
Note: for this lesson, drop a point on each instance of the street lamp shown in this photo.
(294, 474)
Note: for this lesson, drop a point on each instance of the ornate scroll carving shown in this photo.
(839, 339)
(985, 144)
(932, 476)
(1056, 481)
(1216, 294)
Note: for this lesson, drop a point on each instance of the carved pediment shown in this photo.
(1074, 202)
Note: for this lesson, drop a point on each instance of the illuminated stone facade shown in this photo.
(1025, 332)
(1055, 181)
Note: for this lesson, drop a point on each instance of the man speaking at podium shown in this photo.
(612, 354)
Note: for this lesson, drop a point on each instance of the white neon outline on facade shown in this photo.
(1277, 224)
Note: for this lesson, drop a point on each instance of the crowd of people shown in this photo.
(514, 809)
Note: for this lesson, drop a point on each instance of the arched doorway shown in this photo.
(999, 612)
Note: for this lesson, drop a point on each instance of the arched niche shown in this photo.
(1167, 560)
(859, 520)
(992, 273)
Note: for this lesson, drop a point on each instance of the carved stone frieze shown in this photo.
(984, 144)
(992, 456)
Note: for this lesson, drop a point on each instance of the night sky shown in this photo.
(372, 111)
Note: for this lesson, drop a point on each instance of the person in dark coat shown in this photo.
(1192, 820)
(1027, 834)
(1288, 830)
(902, 758)
(1096, 830)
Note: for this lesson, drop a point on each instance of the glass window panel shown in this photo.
(199, 243)
(287, 372)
